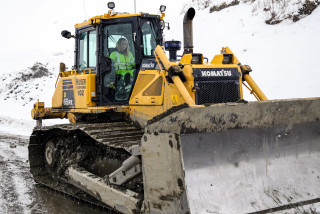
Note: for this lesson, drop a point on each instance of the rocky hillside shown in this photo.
(18, 91)
(275, 11)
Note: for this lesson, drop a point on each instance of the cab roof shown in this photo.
(111, 15)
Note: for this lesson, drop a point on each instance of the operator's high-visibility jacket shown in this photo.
(123, 64)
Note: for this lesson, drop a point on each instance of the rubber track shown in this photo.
(119, 135)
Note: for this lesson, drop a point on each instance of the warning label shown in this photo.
(174, 100)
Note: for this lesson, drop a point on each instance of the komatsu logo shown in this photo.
(221, 73)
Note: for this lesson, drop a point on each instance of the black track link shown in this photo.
(118, 135)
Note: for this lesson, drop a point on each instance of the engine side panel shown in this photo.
(75, 91)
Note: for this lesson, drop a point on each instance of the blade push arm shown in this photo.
(174, 71)
(245, 69)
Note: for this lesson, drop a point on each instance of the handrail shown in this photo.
(87, 69)
(74, 72)
(65, 74)
(60, 74)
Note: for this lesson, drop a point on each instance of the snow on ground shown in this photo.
(19, 193)
(283, 58)
(14, 191)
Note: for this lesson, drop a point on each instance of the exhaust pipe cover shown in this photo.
(187, 30)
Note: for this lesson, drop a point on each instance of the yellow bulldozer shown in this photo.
(155, 134)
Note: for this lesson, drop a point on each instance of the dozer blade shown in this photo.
(259, 157)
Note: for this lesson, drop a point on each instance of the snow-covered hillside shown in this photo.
(283, 57)
(19, 91)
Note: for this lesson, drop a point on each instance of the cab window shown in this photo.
(87, 57)
(148, 38)
(83, 51)
(92, 49)
(115, 32)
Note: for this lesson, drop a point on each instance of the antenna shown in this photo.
(84, 7)
(135, 6)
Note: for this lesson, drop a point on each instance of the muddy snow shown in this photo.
(19, 194)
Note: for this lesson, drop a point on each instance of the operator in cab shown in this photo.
(124, 67)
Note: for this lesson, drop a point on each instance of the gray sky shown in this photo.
(36, 24)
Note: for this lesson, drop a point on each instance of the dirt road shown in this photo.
(19, 194)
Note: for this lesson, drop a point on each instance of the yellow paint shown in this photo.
(83, 87)
(57, 96)
(217, 59)
(186, 59)
(144, 112)
(146, 79)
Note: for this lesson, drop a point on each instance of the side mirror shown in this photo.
(66, 34)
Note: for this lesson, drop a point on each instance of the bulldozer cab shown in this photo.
(116, 49)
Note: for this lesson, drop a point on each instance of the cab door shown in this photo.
(118, 68)
(86, 68)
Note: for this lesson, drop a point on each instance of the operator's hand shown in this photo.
(111, 85)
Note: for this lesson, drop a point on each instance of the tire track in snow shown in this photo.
(9, 198)
(19, 193)
(16, 182)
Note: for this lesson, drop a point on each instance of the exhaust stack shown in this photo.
(187, 31)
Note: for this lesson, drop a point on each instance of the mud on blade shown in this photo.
(243, 158)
